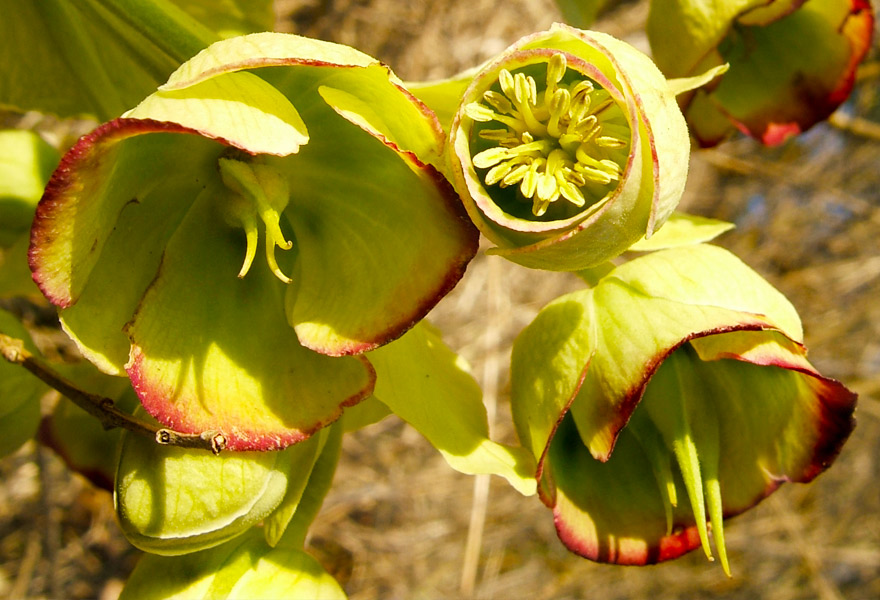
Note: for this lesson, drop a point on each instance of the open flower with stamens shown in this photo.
(148, 236)
(792, 62)
(568, 148)
(673, 394)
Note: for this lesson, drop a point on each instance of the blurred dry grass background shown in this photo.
(399, 524)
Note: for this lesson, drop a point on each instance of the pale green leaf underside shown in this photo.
(174, 501)
(428, 386)
(263, 49)
(682, 229)
(240, 108)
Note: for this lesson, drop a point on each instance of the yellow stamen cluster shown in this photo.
(257, 190)
(554, 143)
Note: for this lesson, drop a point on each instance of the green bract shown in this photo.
(674, 392)
(148, 232)
(792, 63)
(568, 148)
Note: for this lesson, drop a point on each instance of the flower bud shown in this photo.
(568, 148)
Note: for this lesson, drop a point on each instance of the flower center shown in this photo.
(570, 140)
(257, 190)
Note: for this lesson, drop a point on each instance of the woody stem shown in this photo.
(104, 409)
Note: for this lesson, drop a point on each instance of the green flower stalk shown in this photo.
(148, 237)
(792, 63)
(672, 395)
(568, 148)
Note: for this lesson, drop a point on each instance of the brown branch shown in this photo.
(104, 409)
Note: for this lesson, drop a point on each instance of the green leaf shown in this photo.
(98, 58)
(20, 392)
(174, 501)
(245, 568)
(429, 387)
(683, 229)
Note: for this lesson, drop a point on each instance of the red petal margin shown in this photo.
(833, 415)
(239, 439)
(79, 173)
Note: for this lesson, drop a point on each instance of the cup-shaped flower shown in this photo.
(674, 393)
(792, 62)
(148, 233)
(567, 148)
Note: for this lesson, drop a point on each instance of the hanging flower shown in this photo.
(568, 148)
(673, 394)
(792, 62)
(149, 233)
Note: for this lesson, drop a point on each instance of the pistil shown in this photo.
(256, 190)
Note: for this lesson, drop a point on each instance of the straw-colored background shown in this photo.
(399, 524)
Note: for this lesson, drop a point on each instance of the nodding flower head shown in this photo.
(792, 63)
(568, 148)
(144, 227)
(671, 395)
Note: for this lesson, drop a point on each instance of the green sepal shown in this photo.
(227, 360)
(244, 568)
(173, 501)
(427, 385)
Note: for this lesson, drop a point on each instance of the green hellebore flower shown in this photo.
(674, 392)
(148, 231)
(792, 62)
(568, 148)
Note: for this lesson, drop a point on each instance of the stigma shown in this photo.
(568, 141)
(257, 190)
